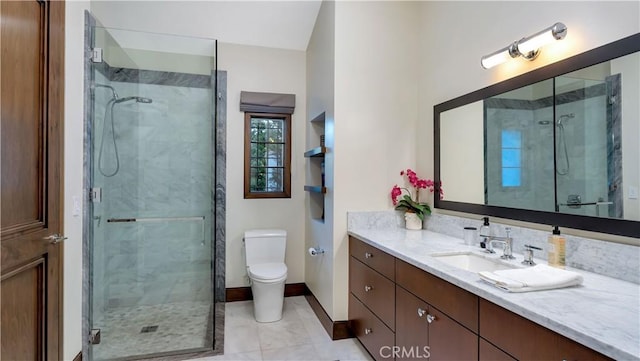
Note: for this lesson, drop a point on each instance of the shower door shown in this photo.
(588, 151)
(150, 172)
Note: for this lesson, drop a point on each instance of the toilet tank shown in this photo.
(265, 246)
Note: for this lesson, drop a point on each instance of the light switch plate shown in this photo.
(77, 206)
(633, 192)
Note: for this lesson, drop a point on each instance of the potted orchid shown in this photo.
(414, 209)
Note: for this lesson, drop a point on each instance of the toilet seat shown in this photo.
(268, 272)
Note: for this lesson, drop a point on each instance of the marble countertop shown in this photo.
(603, 313)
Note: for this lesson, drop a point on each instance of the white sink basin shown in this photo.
(472, 262)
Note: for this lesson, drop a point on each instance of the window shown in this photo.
(511, 158)
(267, 155)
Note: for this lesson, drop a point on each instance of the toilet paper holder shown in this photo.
(314, 251)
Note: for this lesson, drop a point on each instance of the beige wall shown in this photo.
(376, 111)
(372, 99)
(73, 159)
(261, 69)
(320, 98)
(462, 153)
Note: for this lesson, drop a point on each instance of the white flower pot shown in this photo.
(412, 221)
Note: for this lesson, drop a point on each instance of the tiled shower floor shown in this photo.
(180, 326)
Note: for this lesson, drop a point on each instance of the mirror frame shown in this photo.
(598, 55)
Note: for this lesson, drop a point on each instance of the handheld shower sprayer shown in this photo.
(563, 117)
(113, 91)
(109, 108)
(562, 142)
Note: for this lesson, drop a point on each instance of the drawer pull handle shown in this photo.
(368, 288)
(367, 331)
(421, 312)
(431, 318)
(367, 255)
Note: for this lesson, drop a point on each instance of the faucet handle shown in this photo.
(528, 254)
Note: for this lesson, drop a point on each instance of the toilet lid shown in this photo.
(268, 271)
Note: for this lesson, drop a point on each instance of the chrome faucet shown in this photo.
(507, 243)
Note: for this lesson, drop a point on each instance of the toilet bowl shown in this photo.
(264, 256)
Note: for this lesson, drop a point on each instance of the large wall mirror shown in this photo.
(559, 145)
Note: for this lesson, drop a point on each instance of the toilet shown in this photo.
(264, 256)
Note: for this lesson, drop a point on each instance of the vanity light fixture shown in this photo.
(528, 47)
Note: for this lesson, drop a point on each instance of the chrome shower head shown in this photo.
(565, 116)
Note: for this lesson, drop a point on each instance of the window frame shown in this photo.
(521, 160)
(286, 192)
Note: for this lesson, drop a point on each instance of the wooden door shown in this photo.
(32, 87)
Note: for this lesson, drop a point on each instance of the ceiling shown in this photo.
(274, 24)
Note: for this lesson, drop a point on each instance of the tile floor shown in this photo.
(298, 336)
(180, 326)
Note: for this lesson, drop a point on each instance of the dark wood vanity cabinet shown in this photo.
(488, 352)
(413, 330)
(423, 331)
(401, 320)
(374, 290)
(526, 340)
(374, 335)
(372, 301)
(432, 312)
(395, 304)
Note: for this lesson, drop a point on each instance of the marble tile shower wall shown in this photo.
(610, 259)
(537, 157)
(587, 148)
(165, 152)
(102, 96)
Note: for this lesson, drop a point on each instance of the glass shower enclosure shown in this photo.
(151, 166)
(555, 146)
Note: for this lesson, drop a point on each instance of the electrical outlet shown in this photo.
(633, 192)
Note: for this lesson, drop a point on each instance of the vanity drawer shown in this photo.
(526, 340)
(374, 290)
(372, 332)
(373, 257)
(460, 305)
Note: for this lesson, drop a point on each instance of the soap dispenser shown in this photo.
(485, 232)
(556, 255)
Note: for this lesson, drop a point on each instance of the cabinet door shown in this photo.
(448, 340)
(412, 329)
(489, 352)
(527, 340)
(459, 304)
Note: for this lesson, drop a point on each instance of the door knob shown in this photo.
(367, 331)
(55, 238)
(421, 312)
(367, 288)
(367, 255)
(431, 318)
